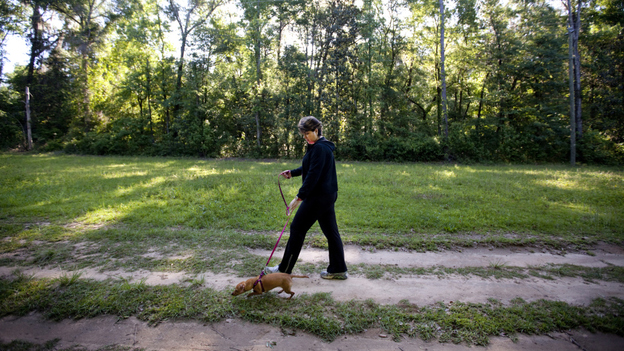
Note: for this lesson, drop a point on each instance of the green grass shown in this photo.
(418, 206)
(317, 314)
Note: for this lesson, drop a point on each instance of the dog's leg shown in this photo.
(287, 292)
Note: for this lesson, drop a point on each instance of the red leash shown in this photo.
(278, 239)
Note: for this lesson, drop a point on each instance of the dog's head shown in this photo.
(240, 288)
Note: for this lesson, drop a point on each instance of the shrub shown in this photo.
(595, 148)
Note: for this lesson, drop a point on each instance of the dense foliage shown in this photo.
(243, 72)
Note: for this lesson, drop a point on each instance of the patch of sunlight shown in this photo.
(124, 191)
(117, 165)
(116, 175)
(231, 171)
(202, 171)
(153, 182)
(44, 156)
(198, 173)
(562, 183)
(446, 174)
(103, 215)
(83, 226)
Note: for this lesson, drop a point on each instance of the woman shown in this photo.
(317, 196)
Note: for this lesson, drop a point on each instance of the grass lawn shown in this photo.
(390, 203)
(108, 212)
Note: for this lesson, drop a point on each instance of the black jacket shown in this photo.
(318, 170)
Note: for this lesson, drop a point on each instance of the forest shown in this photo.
(516, 81)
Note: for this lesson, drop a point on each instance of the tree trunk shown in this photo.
(481, 100)
(439, 98)
(35, 42)
(164, 98)
(28, 130)
(86, 92)
(369, 71)
(577, 71)
(178, 90)
(442, 73)
(258, 77)
(148, 79)
(571, 76)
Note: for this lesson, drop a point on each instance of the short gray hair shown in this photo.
(309, 124)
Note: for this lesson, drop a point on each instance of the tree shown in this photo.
(11, 18)
(188, 18)
(87, 23)
(374, 73)
(38, 42)
(255, 15)
(137, 44)
(602, 45)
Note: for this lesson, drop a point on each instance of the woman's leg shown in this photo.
(304, 219)
(327, 222)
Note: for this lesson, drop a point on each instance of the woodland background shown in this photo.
(219, 78)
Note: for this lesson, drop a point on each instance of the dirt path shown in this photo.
(421, 290)
(235, 335)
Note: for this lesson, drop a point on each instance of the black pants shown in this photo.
(314, 209)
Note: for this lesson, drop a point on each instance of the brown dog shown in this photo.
(268, 282)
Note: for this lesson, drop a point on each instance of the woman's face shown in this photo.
(311, 136)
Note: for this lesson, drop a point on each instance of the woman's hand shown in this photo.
(286, 174)
(293, 205)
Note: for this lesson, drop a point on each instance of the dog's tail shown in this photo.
(299, 276)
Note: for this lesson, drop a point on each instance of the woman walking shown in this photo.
(317, 196)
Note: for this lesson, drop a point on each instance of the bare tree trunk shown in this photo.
(577, 71)
(28, 130)
(164, 98)
(258, 76)
(86, 92)
(369, 72)
(35, 42)
(178, 89)
(148, 78)
(442, 73)
(481, 100)
(571, 74)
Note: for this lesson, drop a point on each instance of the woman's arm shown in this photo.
(296, 172)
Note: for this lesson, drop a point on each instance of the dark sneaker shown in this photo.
(337, 276)
(269, 270)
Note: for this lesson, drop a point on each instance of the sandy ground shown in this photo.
(239, 335)
(422, 290)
